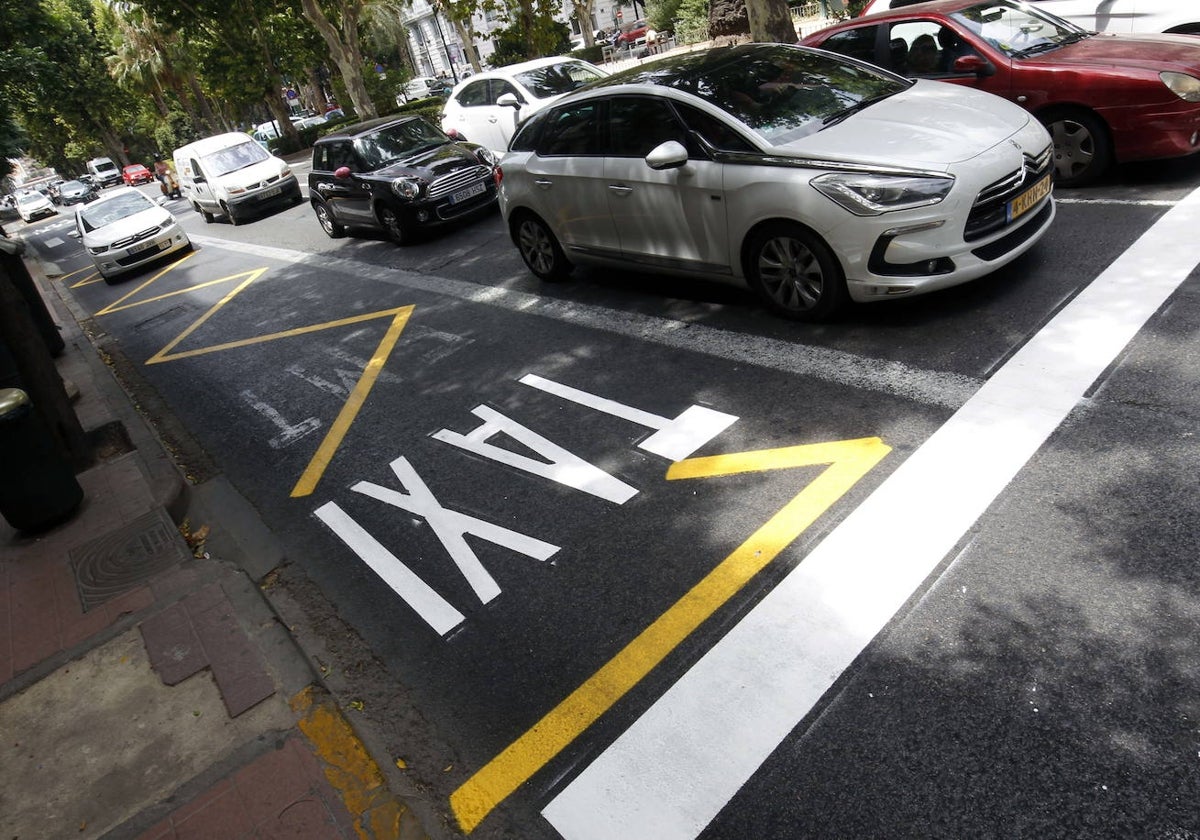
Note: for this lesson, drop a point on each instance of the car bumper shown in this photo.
(168, 240)
(1143, 133)
(284, 191)
(39, 214)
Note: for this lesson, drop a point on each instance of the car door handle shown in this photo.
(544, 183)
(491, 119)
(620, 189)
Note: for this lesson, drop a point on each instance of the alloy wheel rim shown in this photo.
(1074, 148)
(323, 218)
(535, 247)
(392, 222)
(790, 273)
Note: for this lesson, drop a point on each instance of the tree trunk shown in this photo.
(345, 53)
(466, 34)
(727, 19)
(202, 103)
(771, 21)
(583, 14)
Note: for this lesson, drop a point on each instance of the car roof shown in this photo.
(512, 69)
(904, 8)
(359, 129)
(670, 70)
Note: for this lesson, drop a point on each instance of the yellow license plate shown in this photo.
(1029, 199)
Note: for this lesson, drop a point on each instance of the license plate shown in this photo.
(270, 192)
(469, 192)
(1029, 199)
(142, 246)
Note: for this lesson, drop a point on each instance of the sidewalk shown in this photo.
(147, 689)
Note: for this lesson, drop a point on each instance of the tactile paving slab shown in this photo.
(126, 557)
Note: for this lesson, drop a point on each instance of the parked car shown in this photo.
(398, 176)
(88, 178)
(135, 174)
(810, 177)
(104, 171)
(76, 192)
(123, 230)
(631, 34)
(33, 205)
(476, 112)
(422, 87)
(1102, 15)
(232, 175)
(1106, 98)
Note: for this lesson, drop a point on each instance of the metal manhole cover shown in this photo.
(124, 559)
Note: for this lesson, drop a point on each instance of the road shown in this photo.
(627, 557)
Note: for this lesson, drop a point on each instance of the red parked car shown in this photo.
(1105, 98)
(135, 174)
(631, 34)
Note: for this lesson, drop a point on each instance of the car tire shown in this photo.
(110, 281)
(234, 218)
(795, 273)
(389, 219)
(328, 224)
(540, 249)
(1082, 148)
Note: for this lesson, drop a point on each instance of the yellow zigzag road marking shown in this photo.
(848, 461)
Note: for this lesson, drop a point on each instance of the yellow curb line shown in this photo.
(377, 813)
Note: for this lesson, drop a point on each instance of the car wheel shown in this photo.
(390, 220)
(234, 218)
(332, 229)
(539, 248)
(111, 281)
(1082, 149)
(794, 273)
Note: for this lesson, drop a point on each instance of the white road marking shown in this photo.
(676, 767)
(947, 390)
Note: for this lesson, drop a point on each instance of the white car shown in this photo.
(123, 229)
(1104, 15)
(487, 107)
(33, 205)
(809, 176)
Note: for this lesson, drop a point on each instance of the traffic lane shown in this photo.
(1047, 682)
(554, 622)
(966, 330)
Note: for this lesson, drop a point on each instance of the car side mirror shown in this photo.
(508, 100)
(974, 64)
(74, 234)
(668, 155)
(199, 179)
(342, 172)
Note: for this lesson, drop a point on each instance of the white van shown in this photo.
(104, 171)
(234, 176)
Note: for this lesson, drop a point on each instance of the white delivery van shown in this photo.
(104, 171)
(234, 176)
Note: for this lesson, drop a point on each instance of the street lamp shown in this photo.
(446, 49)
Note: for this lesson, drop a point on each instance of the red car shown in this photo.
(1105, 98)
(135, 174)
(631, 34)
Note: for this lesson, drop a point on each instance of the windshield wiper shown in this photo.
(838, 116)
(1045, 46)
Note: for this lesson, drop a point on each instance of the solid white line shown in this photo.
(670, 773)
(948, 390)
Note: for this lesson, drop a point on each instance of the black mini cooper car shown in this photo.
(398, 175)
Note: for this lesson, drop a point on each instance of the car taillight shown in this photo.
(497, 175)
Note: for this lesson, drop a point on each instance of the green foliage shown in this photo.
(516, 42)
(662, 14)
(691, 21)
(13, 140)
(853, 7)
(593, 54)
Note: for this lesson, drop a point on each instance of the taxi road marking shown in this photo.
(847, 460)
(670, 773)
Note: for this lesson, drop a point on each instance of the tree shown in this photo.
(532, 32)
(771, 20)
(345, 47)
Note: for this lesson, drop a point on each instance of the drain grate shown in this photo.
(124, 559)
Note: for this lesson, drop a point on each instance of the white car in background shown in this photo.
(1104, 15)
(487, 108)
(33, 205)
(123, 229)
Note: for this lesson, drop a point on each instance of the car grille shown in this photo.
(457, 180)
(137, 237)
(990, 211)
(264, 183)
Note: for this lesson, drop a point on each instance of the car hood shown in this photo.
(931, 125)
(1153, 53)
(432, 163)
(130, 225)
(252, 175)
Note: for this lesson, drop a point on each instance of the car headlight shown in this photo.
(98, 249)
(407, 188)
(236, 190)
(1182, 85)
(867, 194)
(485, 156)
(287, 170)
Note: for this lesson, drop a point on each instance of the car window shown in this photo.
(110, 210)
(716, 133)
(397, 141)
(341, 153)
(526, 138)
(857, 43)
(558, 78)
(637, 124)
(474, 94)
(499, 87)
(1017, 30)
(320, 161)
(913, 48)
(570, 130)
(234, 158)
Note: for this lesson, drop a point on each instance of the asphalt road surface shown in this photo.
(628, 557)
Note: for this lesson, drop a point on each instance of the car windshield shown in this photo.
(107, 211)
(29, 198)
(396, 142)
(234, 158)
(71, 186)
(105, 166)
(1018, 30)
(781, 92)
(555, 79)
